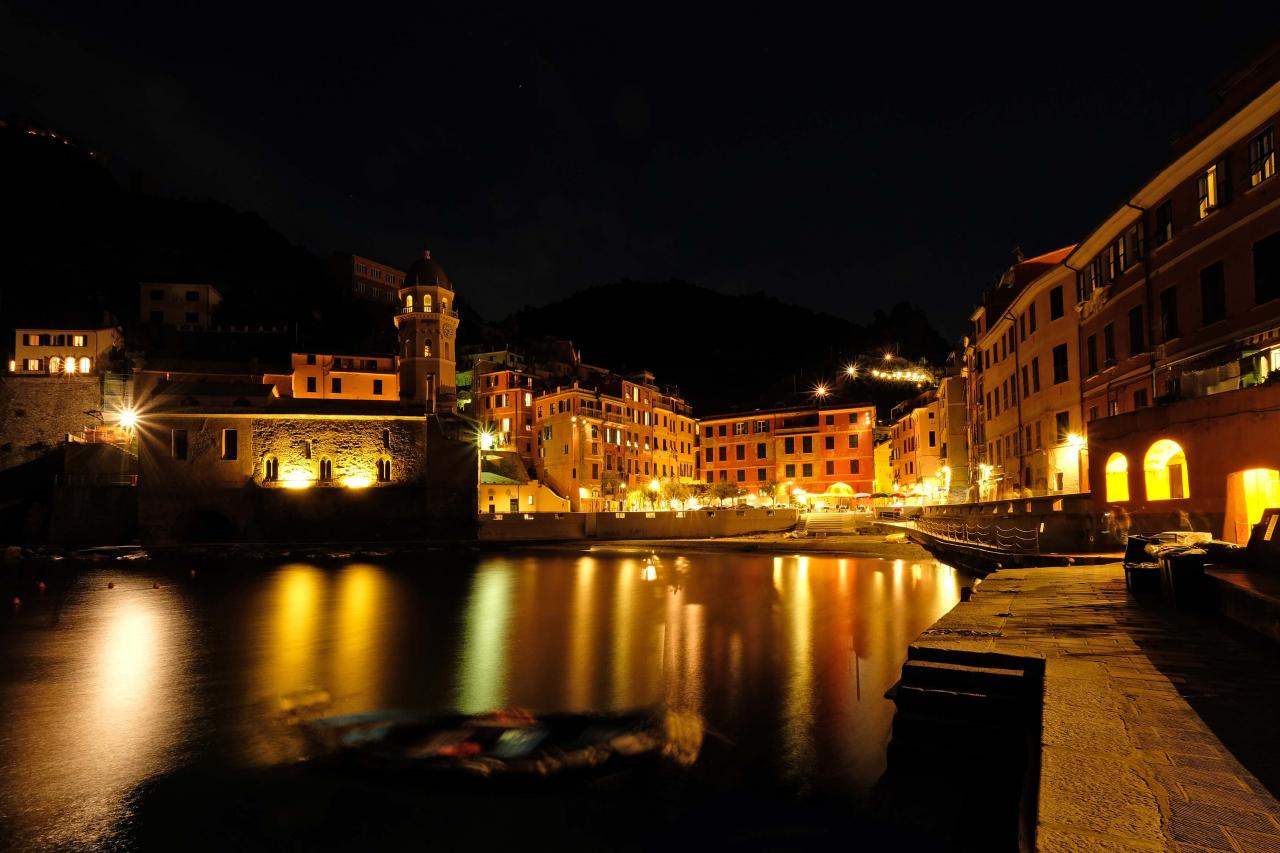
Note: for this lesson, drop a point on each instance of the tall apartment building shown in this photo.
(1025, 371)
(821, 452)
(366, 279)
(1179, 293)
(189, 306)
(502, 403)
(595, 444)
(916, 448)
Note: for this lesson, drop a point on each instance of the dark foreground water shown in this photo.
(145, 718)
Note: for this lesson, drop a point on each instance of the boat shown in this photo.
(508, 743)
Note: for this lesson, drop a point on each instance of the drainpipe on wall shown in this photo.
(1080, 354)
(1017, 368)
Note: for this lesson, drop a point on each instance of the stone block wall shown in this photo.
(37, 412)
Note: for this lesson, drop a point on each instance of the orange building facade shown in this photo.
(502, 404)
(596, 446)
(821, 454)
(320, 376)
(1180, 308)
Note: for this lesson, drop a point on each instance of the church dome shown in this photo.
(425, 272)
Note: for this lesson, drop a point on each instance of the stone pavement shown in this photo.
(1140, 704)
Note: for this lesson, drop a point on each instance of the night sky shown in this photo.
(844, 163)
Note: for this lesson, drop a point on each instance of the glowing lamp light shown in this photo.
(888, 356)
(654, 485)
(356, 482)
(485, 440)
(650, 572)
(127, 419)
(851, 371)
(820, 390)
(69, 366)
(1075, 439)
(297, 481)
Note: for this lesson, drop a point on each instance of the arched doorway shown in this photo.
(1117, 478)
(1165, 467)
(1248, 494)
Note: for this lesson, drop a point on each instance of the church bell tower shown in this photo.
(427, 328)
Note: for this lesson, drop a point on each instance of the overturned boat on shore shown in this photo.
(513, 744)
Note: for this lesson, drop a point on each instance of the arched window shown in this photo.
(271, 469)
(408, 302)
(1117, 478)
(84, 364)
(384, 470)
(426, 348)
(326, 469)
(1166, 472)
(69, 366)
(55, 364)
(426, 302)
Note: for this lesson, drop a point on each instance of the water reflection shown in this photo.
(787, 659)
(482, 685)
(105, 710)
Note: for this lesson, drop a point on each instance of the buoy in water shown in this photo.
(111, 584)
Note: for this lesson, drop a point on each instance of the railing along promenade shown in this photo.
(1003, 537)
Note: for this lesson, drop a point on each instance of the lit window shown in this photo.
(55, 365)
(384, 470)
(1262, 156)
(1209, 187)
(1165, 468)
(84, 364)
(1261, 488)
(1117, 478)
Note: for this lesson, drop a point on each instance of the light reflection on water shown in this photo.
(787, 658)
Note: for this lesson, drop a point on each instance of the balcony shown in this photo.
(448, 312)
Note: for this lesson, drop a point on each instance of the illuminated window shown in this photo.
(1165, 468)
(1262, 156)
(271, 469)
(79, 341)
(1117, 478)
(55, 365)
(408, 302)
(426, 348)
(84, 364)
(1261, 491)
(1209, 188)
(426, 303)
(384, 470)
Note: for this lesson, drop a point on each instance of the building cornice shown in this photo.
(1242, 123)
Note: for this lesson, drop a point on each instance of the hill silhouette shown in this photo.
(727, 352)
(79, 243)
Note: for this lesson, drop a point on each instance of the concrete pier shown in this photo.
(1158, 728)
